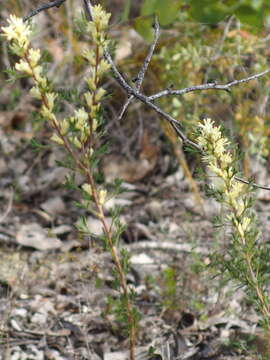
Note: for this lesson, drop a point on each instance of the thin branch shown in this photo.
(56, 3)
(145, 99)
(209, 86)
(148, 58)
(223, 38)
(9, 207)
(252, 183)
(218, 47)
(88, 9)
(144, 67)
(167, 246)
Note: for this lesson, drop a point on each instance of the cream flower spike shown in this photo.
(17, 31)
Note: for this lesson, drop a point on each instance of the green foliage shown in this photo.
(254, 13)
(208, 11)
(118, 229)
(144, 27)
(82, 226)
(126, 10)
(46, 57)
(37, 146)
(13, 75)
(70, 95)
(80, 25)
(197, 266)
(181, 63)
(166, 11)
(169, 293)
(119, 309)
(15, 96)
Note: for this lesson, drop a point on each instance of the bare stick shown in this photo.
(223, 38)
(167, 246)
(145, 99)
(209, 86)
(149, 55)
(56, 3)
(9, 207)
(252, 183)
(144, 67)
(88, 9)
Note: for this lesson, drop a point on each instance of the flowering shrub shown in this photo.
(245, 260)
(78, 135)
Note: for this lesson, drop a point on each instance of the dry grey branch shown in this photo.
(252, 184)
(145, 99)
(209, 86)
(144, 67)
(9, 207)
(88, 9)
(56, 3)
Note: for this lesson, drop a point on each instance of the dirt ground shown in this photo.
(55, 283)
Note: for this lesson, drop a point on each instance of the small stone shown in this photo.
(54, 206)
(39, 318)
(154, 208)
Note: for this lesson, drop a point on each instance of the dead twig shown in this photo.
(9, 207)
(56, 3)
(209, 86)
(252, 183)
(141, 74)
(167, 246)
(145, 99)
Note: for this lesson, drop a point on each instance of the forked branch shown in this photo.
(134, 92)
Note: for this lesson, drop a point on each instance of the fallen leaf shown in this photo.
(33, 235)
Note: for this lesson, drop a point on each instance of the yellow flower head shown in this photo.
(81, 115)
(220, 163)
(50, 99)
(87, 188)
(102, 196)
(23, 67)
(100, 17)
(34, 56)
(55, 138)
(17, 31)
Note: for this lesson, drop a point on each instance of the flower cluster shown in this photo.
(221, 163)
(93, 96)
(18, 33)
(78, 130)
(98, 25)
